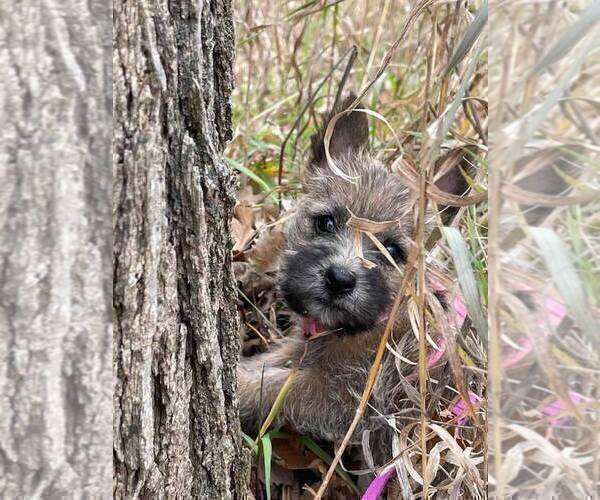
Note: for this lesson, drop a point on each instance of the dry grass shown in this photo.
(423, 69)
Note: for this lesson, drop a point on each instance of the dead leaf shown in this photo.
(293, 455)
(267, 248)
(371, 226)
(242, 227)
(411, 178)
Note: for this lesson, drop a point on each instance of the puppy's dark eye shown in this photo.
(395, 251)
(325, 224)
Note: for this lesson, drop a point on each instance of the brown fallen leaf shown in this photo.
(242, 227)
(267, 248)
(292, 454)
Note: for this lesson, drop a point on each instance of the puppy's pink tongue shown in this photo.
(311, 327)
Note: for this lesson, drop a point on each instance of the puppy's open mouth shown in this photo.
(313, 328)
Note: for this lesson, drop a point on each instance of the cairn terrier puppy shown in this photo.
(340, 292)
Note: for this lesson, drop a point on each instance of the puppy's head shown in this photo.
(336, 278)
(325, 279)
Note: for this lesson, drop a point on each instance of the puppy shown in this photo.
(340, 291)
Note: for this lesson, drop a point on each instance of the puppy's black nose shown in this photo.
(340, 280)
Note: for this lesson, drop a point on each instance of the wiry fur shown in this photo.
(308, 254)
(333, 368)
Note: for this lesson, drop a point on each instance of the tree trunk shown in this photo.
(176, 428)
(55, 338)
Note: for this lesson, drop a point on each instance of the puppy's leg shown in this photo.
(318, 403)
(261, 378)
(313, 404)
(258, 389)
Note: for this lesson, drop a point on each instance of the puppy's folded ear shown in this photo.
(449, 176)
(350, 134)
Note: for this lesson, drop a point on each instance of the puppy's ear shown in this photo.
(350, 134)
(449, 176)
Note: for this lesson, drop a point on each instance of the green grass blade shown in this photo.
(566, 280)
(466, 280)
(319, 452)
(323, 455)
(277, 434)
(251, 175)
(469, 38)
(249, 442)
(267, 453)
(278, 404)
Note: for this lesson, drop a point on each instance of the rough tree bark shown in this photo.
(176, 429)
(55, 248)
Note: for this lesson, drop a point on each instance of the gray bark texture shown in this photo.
(55, 249)
(176, 427)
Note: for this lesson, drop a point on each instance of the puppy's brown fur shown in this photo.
(333, 368)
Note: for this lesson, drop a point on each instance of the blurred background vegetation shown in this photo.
(544, 380)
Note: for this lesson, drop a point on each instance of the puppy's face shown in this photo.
(324, 278)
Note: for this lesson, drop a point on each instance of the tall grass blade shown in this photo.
(267, 452)
(524, 128)
(466, 280)
(326, 457)
(438, 130)
(470, 37)
(249, 442)
(278, 404)
(248, 173)
(566, 280)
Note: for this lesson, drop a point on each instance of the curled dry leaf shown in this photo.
(450, 160)
(552, 454)
(327, 140)
(367, 225)
(459, 455)
(242, 227)
(267, 248)
(515, 193)
(411, 178)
